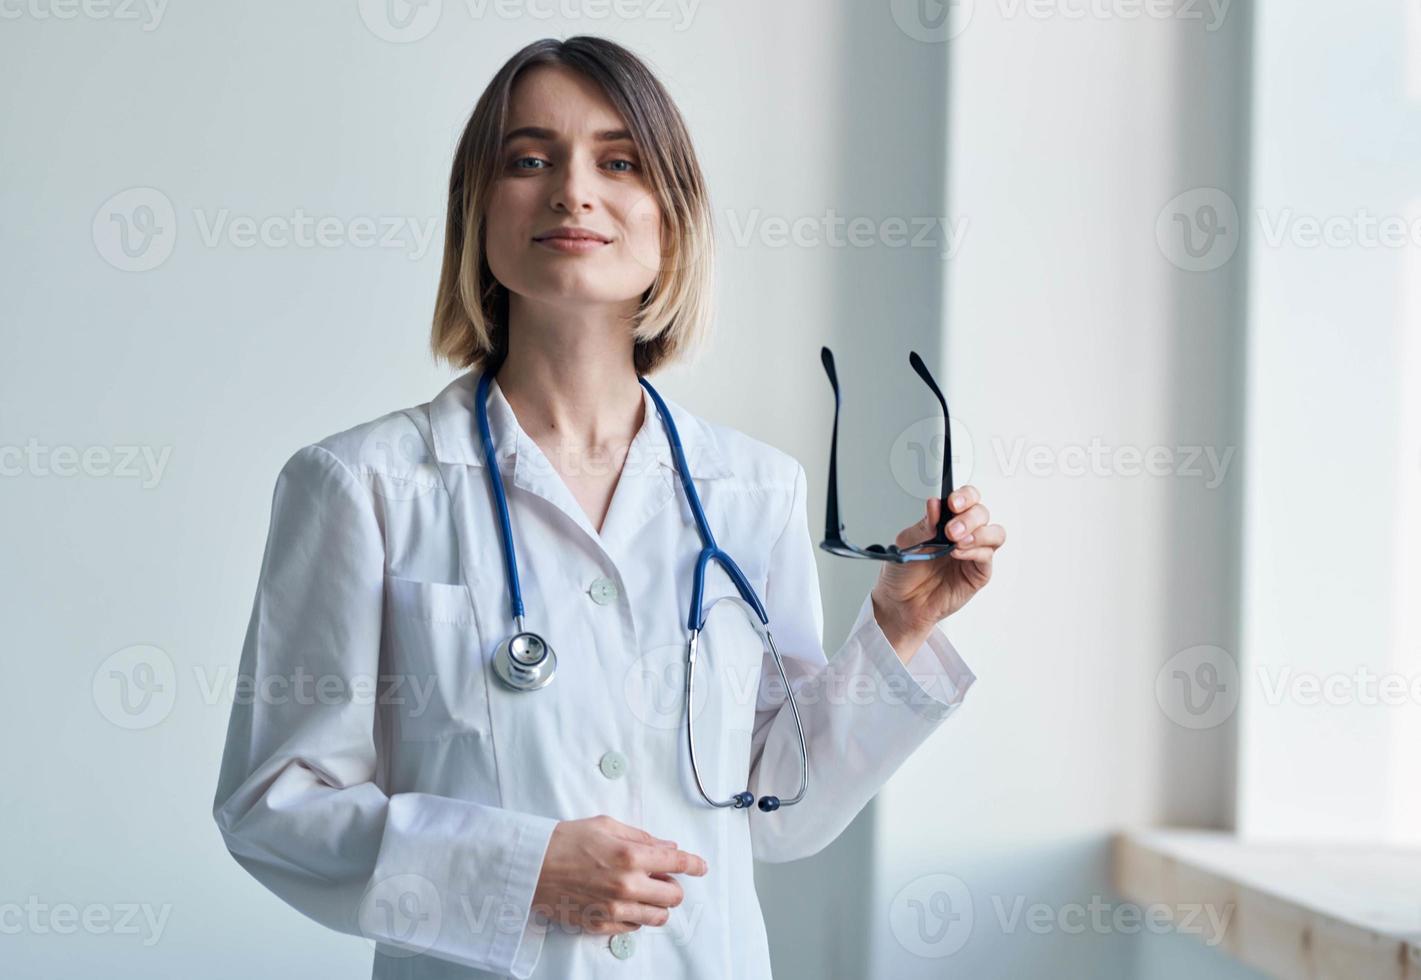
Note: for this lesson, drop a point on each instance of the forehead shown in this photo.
(557, 98)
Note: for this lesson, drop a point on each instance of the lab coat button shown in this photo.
(623, 945)
(603, 591)
(613, 764)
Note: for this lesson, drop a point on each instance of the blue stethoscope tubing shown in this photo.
(538, 651)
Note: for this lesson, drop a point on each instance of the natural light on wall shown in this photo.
(1405, 805)
(1330, 719)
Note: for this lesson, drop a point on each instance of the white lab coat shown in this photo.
(406, 796)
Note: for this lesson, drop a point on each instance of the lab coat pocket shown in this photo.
(436, 654)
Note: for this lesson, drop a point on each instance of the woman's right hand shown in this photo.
(602, 876)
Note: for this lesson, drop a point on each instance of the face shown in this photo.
(568, 160)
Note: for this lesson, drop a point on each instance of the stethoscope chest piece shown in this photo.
(525, 662)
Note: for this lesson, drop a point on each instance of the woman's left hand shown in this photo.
(911, 598)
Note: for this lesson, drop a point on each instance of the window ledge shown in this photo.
(1289, 909)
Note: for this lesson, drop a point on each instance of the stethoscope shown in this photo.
(525, 661)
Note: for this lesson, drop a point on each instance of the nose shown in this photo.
(573, 191)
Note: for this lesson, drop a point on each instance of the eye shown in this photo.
(517, 163)
(631, 165)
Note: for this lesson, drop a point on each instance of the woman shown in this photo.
(470, 829)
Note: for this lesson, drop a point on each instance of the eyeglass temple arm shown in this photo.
(944, 513)
(832, 526)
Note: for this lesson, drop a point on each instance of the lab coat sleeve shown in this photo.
(297, 800)
(864, 712)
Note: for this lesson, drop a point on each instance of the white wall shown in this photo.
(1329, 746)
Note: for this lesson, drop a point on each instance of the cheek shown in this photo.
(644, 218)
(505, 217)
(642, 221)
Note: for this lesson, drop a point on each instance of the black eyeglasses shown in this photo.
(834, 542)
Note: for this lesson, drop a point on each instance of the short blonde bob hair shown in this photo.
(471, 309)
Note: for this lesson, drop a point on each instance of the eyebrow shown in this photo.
(548, 135)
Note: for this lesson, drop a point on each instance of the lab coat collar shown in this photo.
(455, 431)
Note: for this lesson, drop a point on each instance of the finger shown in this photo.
(658, 889)
(962, 498)
(958, 503)
(981, 544)
(672, 861)
(603, 926)
(967, 523)
(991, 536)
(627, 832)
(979, 556)
(623, 912)
(922, 530)
(612, 928)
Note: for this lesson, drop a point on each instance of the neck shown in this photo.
(570, 379)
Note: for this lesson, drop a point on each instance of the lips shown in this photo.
(571, 234)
